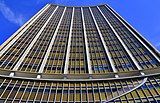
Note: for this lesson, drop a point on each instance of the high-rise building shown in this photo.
(78, 54)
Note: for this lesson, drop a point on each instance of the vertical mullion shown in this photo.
(149, 90)
(11, 91)
(5, 88)
(35, 98)
(86, 44)
(2, 83)
(74, 95)
(138, 93)
(43, 92)
(56, 92)
(104, 44)
(87, 94)
(30, 93)
(68, 45)
(121, 41)
(50, 45)
(155, 88)
(42, 36)
(81, 92)
(99, 92)
(104, 87)
(18, 91)
(61, 99)
(93, 93)
(50, 92)
(24, 91)
(128, 87)
(68, 92)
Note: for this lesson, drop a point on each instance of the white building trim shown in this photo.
(51, 44)
(69, 45)
(121, 41)
(104, 44)
(86, 44)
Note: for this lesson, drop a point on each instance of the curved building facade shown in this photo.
(77, 55)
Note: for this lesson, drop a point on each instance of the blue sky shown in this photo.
(144, 15)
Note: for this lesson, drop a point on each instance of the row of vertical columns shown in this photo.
(69, 45)
(104, 44)
(32, 43)
(50, 45)
(86, 45)
(121, 41)
(21, 30)
(123, 44)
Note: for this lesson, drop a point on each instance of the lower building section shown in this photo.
(137, 90)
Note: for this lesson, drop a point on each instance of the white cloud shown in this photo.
(10, 15)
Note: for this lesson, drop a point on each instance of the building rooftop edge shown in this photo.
(76, 6)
